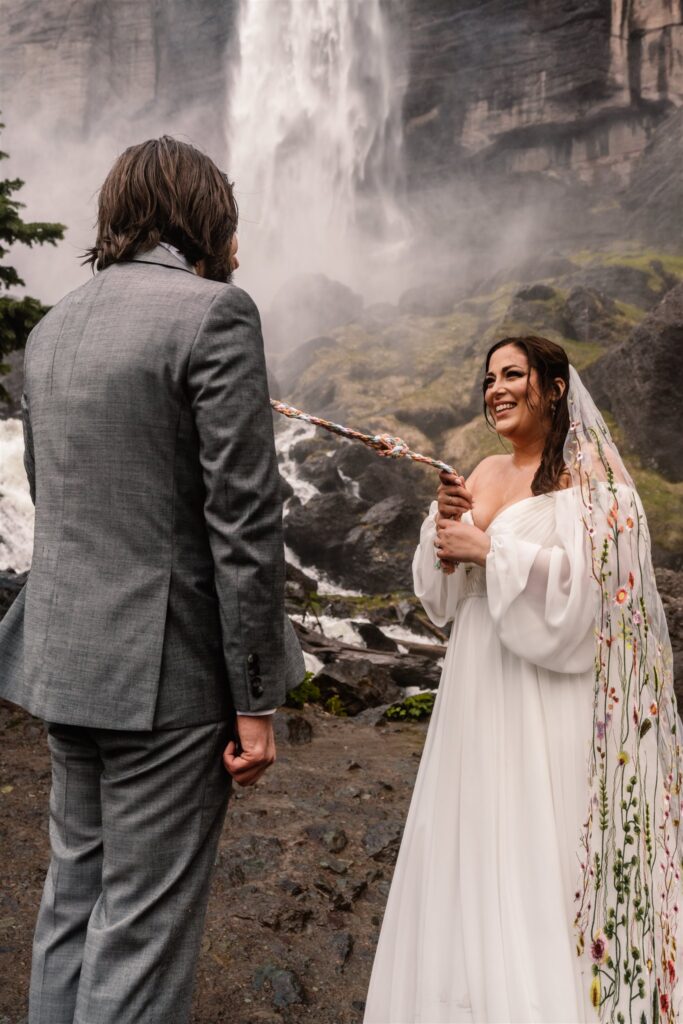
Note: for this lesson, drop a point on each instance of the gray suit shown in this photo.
(153, 610)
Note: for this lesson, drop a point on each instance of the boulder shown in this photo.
(297, 583)
(590, 313)
(639, 382)
(377, 479)
(378, 551)
(317, 530)
(298, 361)
(357, 684)
(373, 636)
(382, 841)
(423, 672)
(306, 308)
(538, 308)
(10, 585)
(300, 451)
(285, 987)
(633, 285)
(12, 383)
(292, 727)
(319, 469)
(536, 293)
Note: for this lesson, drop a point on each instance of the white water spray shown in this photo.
(315, 144)
(16, 507)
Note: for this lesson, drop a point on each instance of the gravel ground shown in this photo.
(301, 879)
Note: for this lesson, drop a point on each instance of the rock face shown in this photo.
(305, 308)
(526, 87)
(363, 547)
(72, 62)
(654, 197)
(640, 381)
(570, 88)
(10, 586)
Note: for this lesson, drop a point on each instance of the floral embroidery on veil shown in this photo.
(629, 891)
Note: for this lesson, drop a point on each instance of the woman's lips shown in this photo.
(501, 412)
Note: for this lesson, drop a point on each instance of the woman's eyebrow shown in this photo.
(504, 369)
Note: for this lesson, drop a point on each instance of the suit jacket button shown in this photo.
(257, 687)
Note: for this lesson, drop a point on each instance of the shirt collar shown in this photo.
(178, 255)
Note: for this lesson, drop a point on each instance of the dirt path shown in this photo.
(301, 881)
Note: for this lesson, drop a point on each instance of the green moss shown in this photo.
(663, 504)
(632, 314)
(581, 353)
(412, 708)
(305, 693)
(335, 706)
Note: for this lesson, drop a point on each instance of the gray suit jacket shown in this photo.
(155, 598)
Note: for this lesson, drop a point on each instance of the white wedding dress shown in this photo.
(479, 922)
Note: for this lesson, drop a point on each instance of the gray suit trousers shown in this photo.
(135, 819)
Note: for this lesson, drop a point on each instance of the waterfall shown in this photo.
(16, 507)
(315, 143)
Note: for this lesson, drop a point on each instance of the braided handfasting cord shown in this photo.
(385, 445)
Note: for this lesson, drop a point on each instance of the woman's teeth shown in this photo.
(503, 406)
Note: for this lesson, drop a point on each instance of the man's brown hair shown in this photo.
(163, 190)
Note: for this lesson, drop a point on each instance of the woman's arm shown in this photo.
(542, 599)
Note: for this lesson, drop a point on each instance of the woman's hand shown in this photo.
(452, 497)
(460, 542)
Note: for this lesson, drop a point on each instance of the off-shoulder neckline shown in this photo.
(515, 504)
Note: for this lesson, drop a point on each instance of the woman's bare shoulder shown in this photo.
(488, 468)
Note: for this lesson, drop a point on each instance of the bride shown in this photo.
(538, 878)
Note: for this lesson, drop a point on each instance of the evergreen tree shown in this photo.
(18, 316)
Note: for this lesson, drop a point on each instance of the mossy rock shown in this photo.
(412, 709)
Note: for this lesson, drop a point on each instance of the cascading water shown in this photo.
(315, 144)
(16, 507)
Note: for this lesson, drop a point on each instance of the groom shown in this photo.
(151, 633)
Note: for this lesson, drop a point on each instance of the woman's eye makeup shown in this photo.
(488, 381)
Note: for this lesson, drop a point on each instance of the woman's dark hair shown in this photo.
(163, 190)
(550, 362)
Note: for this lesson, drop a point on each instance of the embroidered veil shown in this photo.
(628, 896)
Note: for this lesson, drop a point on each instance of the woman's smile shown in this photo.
(501, 408)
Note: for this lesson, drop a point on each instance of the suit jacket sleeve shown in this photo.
(29, 459)
(243, 508)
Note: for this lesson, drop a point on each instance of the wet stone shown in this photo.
(342, 944)
(382, 841)
(333, 839)
(291, 727)
(285, 987)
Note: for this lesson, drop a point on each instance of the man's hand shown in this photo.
(257, 752)
(452, 496)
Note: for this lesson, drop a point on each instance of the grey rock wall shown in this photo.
(566, 86)
(516, 86)
(80, 66)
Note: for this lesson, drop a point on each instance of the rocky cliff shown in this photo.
(80, 66)
(568, 88)
(568, 85)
